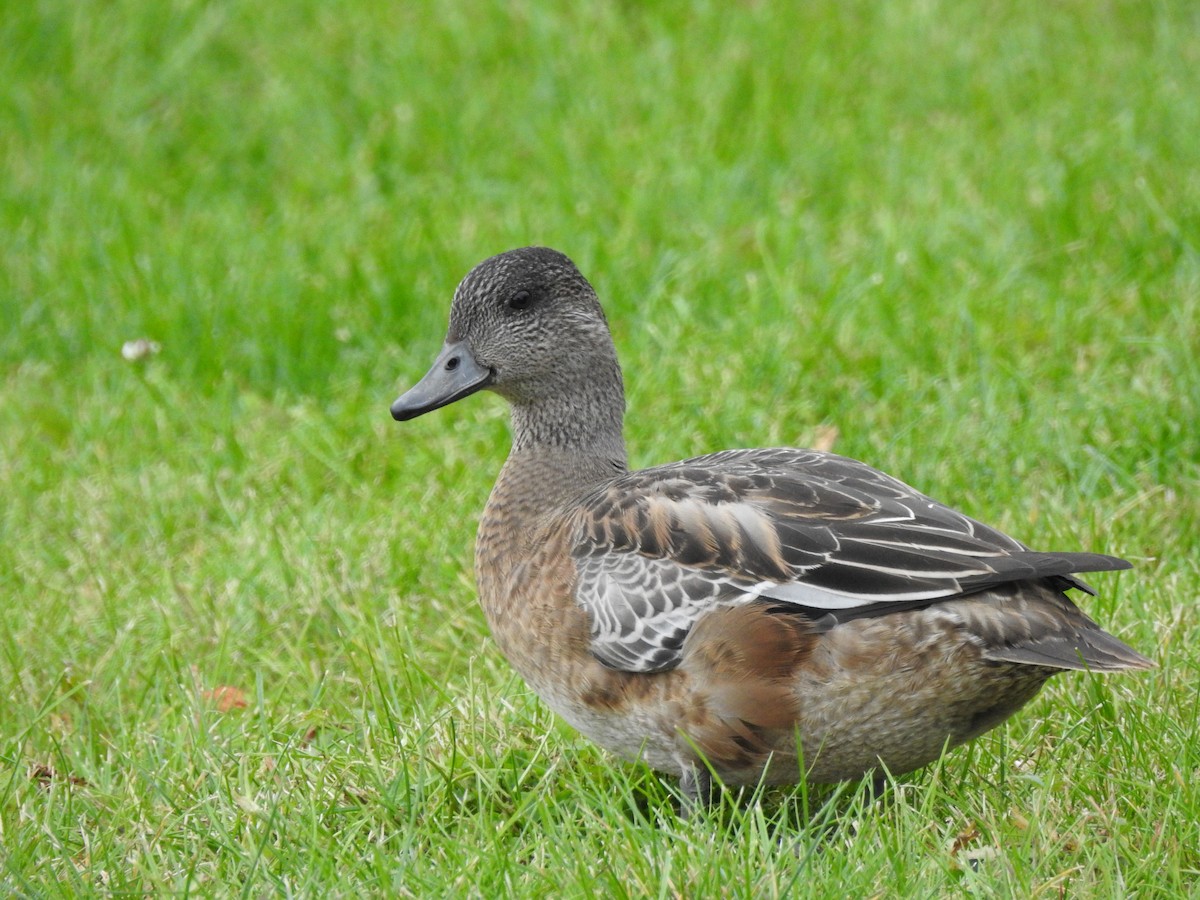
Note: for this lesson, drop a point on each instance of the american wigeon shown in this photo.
(768, 615)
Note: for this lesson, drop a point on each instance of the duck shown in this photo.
(747, 617)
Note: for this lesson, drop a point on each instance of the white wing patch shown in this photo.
(801, 594)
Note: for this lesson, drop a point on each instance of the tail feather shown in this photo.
(1090, 650)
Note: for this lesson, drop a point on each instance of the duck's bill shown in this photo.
(454, 375)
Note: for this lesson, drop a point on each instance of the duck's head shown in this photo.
(524, 324)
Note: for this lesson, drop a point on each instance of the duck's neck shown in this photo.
(582, 412)
(566, 444)
(568, 441)
(571, 425)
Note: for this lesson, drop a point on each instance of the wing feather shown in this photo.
(821, 534)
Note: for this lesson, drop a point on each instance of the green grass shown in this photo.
(965, 235)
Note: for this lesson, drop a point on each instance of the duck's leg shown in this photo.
(877, 787)
(698, 789)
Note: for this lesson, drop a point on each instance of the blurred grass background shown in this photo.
(963, 235)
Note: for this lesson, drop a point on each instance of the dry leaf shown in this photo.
(1068, 842)
(825, 437)
(226, 698)
(964, 839)
(44, 775)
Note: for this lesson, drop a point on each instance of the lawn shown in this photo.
(240, 651)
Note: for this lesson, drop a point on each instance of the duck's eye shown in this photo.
(519, 300)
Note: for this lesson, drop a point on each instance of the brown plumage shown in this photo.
(707, 613)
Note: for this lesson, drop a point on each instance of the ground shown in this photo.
(239, 644)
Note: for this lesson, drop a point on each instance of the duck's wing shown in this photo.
(818, 534)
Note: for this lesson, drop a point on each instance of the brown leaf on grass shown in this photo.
(226, 698)
(964, 856)
(824, 437)
(1069, 843)
(45, 775)
(309, 736)
(964, 839)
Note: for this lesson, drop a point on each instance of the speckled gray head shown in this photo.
(525, 324)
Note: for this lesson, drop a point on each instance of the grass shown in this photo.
(239, 646)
